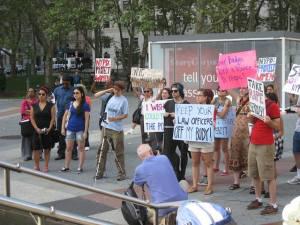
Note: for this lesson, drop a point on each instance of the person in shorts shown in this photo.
(261, 166)
(75, 127)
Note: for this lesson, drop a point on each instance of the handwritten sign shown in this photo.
(234, 68)
(224, 126)
(150, 78)
(102, 69)
(266, 69)
(257, 98)
(154, 116)
(293, 82)
(194, 122)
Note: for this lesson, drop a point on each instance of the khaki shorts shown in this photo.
(261, 161)
(202, 150)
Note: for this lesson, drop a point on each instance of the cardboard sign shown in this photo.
(194, 122)
(154, 116)
(225, 125)
(266, 69)
(150, 78)
(102, 69)
(257, 98)
(234, 68)
(293, 82)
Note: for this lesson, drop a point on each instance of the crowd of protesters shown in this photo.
(253, 149)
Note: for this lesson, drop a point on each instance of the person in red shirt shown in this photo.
(261, 166)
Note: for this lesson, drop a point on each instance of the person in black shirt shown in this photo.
(179, 163)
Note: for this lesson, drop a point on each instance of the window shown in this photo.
(106, 42)
(136, 43)
(125, 4)
(126, 42)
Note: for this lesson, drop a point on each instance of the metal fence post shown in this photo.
(155, 217)
(7, 182)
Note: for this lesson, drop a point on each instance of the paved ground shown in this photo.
(88, 204)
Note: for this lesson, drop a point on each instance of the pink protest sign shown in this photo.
(234, 68)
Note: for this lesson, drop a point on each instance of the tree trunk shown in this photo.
(48, 62)
(144, 50)
(33, 55)
(13, 62)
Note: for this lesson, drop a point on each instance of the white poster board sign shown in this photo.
(293, 82)
(102, 69)
(224, 126)
(194, 122)
(257, 98)
(154, 116)
(266, 69)
(150, 78)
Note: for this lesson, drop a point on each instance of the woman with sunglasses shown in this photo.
(42, 115)
(203, 150)
(75, 127)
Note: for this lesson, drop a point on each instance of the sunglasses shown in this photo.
(42, 94)
(146, 91)
(76, 93)
(175, 91)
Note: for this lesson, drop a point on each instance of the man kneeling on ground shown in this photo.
(157, 173)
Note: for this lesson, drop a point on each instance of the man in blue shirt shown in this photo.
(63, 96)
(157, 173)
(116, 111)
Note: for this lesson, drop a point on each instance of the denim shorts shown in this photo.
(296, 142)
(72, 136)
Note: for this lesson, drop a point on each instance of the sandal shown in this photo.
(234, 186)
(46, 169)
(64, 169)
(216, 170)
(192, 189)
(37, 168)
(252, 190)
(208, 191)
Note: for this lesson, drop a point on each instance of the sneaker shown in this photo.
(203, 181)
(98, 177)
(64, 169)
(269, 209)
(254, 205)
(295, 180)
(87, 148)
(252, 190)
(79, 170)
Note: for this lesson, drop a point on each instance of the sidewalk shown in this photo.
(47, 193)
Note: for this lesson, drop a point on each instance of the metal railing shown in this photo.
(41, 212)
(17, 168)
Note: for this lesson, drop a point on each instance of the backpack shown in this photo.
(132, 213)
(102, 112)
(193, 212)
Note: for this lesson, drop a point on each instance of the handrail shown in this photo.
(20, 169)
(49, 212)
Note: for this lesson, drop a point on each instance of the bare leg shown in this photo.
(70, 144)
(257, 183)
(236, 177)
(195, 167)
(47, 158)
(36, 157)
(208, 161)
(273, 191)
(217, 147)
(81, 154)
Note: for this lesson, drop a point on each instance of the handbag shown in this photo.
(137, 114)
(55, 136)
(26, 128)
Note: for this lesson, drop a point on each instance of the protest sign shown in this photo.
(102, 69)
(257, 98)
(194, 122)
(234, 68)
(147, 78)
(154, 116)
(293, 82)
(266, 69)
(224, 125)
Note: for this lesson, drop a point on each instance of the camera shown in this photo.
(44, 131)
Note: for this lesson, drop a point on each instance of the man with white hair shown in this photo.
(157, 173)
